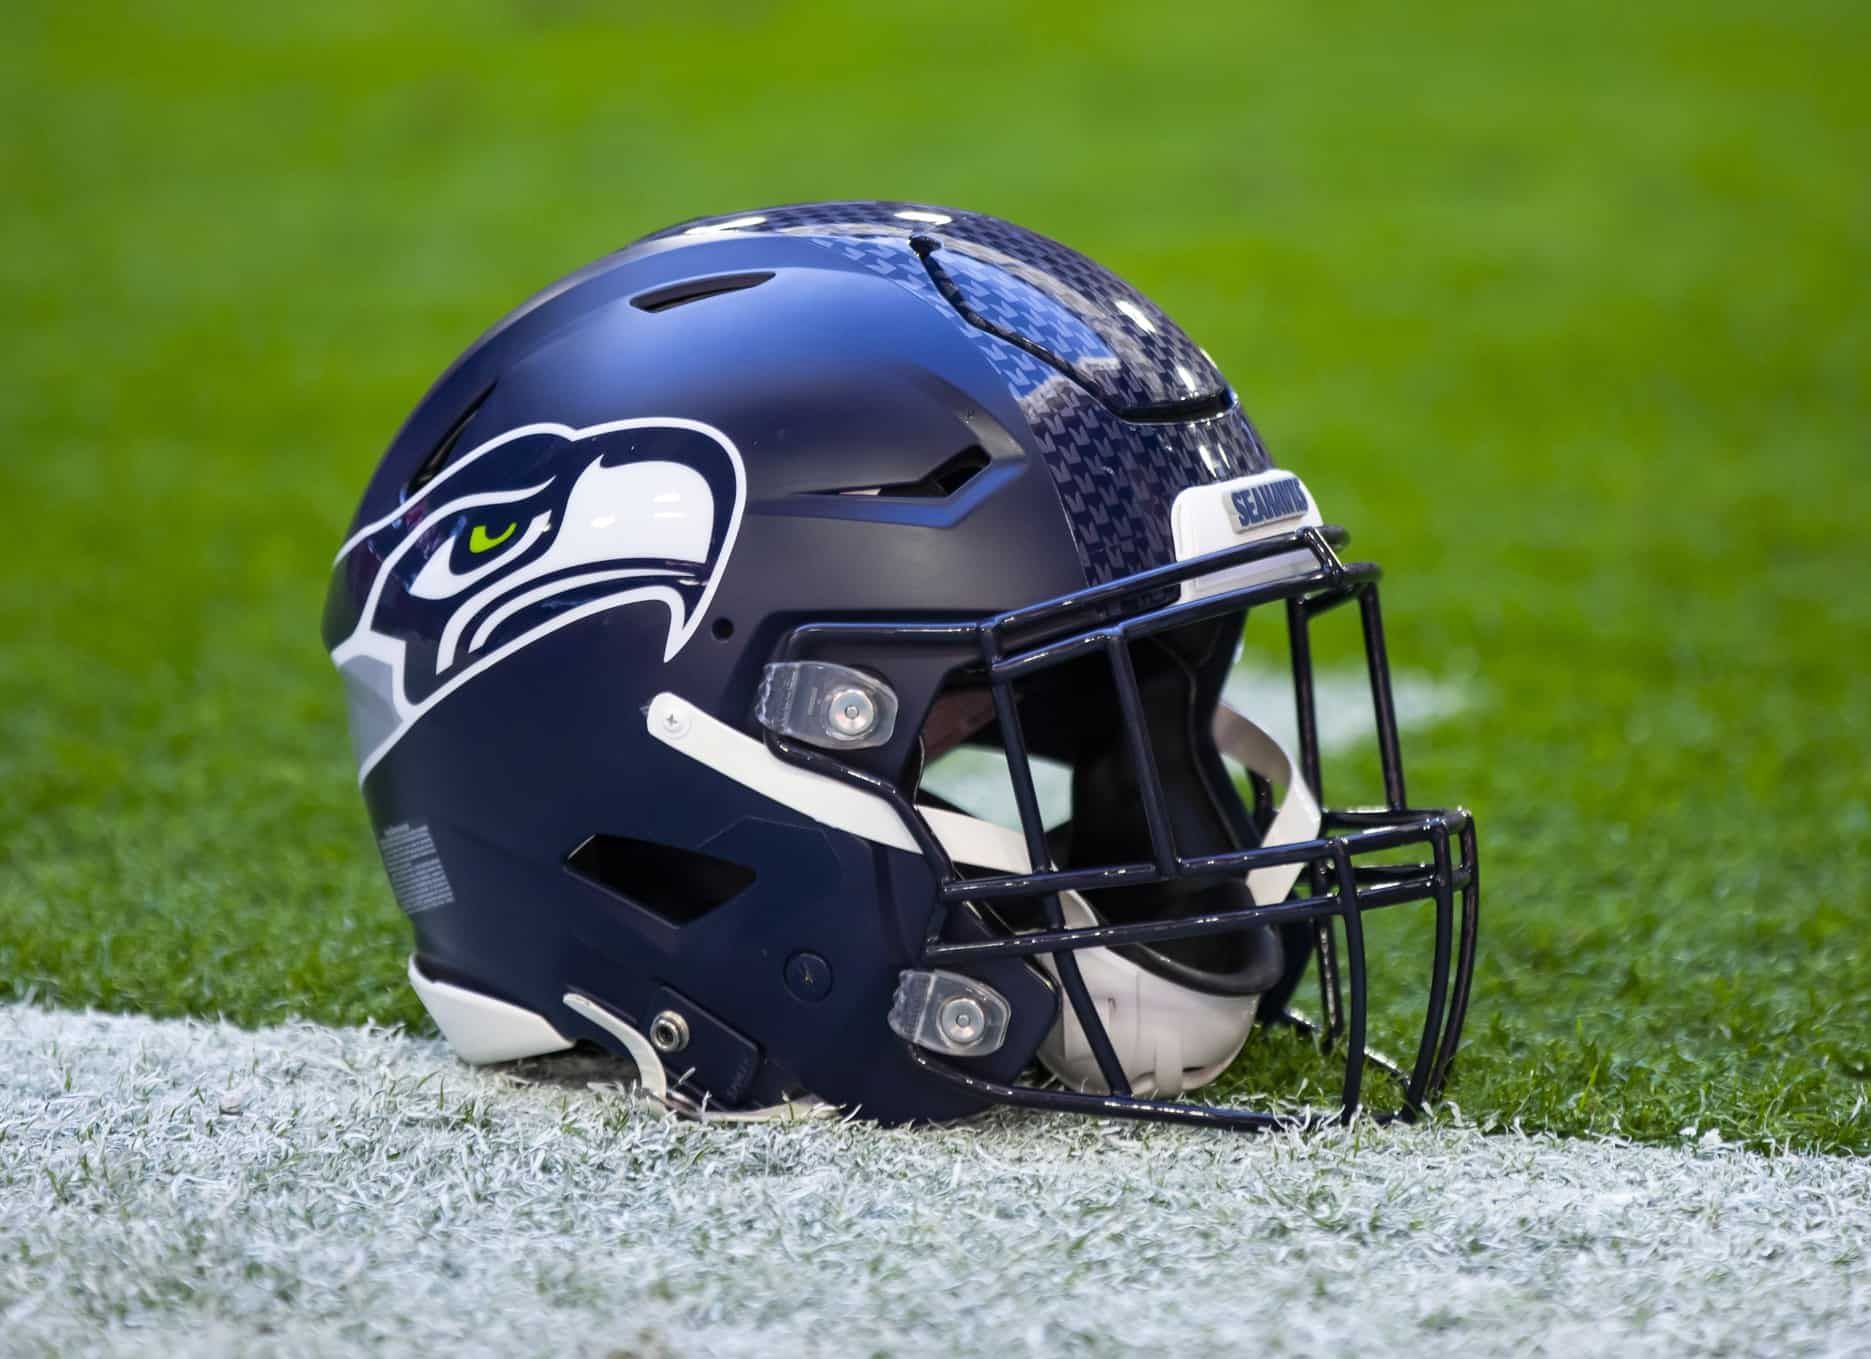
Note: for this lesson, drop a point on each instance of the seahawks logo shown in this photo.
(525, 534)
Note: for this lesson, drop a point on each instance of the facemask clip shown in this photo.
(830, 706)
(949, 1013)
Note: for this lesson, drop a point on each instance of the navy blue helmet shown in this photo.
(789, 653)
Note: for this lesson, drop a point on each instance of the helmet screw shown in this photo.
(962, 1020)
(669, 1032)
(674, 722)
(853, 714)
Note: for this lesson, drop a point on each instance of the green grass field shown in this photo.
(1566, 315)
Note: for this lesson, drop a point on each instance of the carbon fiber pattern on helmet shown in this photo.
(1011, 305)
(1117, 478)
(891, 257)
(1048, 293)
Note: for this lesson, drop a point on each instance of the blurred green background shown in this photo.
(1563, 310)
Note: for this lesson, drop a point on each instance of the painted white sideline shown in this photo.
(1343, 696)
(181, 1187)
(976, 778)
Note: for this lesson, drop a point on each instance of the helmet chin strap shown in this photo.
(653, 1079)
(1168, 1037)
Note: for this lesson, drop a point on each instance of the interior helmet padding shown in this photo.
(1180, 677)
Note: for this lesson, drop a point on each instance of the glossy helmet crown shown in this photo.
(660, 607)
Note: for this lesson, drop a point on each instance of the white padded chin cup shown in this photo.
(1168, 1037)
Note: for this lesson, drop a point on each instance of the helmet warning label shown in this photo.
(415, 868)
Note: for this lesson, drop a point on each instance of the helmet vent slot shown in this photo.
(938, 483)
(678, 886)
(675, 295)
(432, 465)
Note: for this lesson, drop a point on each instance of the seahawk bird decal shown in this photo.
(523, 535)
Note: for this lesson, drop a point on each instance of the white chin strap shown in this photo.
(1168, 1037)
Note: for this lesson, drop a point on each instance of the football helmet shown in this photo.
(673, 610)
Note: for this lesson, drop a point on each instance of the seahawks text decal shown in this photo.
(523, 535)
(1267, 502)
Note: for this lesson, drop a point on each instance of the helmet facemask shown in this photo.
(1179, 1011)
(1170, 910)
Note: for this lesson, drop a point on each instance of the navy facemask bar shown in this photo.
(1107, 619)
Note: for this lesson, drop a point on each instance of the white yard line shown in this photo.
(976, 779)
(1343, 698)
(186, 1187)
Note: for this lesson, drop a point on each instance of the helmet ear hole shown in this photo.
(722, 629)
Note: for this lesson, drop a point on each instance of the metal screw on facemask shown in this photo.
(852, 714)
(669, 1032)
(962, 1020)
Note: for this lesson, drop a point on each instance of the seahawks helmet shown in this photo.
(790, 653)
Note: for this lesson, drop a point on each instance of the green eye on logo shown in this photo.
(478, 541)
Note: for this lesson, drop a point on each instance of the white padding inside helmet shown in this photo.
(1168, 1037)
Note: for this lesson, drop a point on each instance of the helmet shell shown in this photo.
(931, 414)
